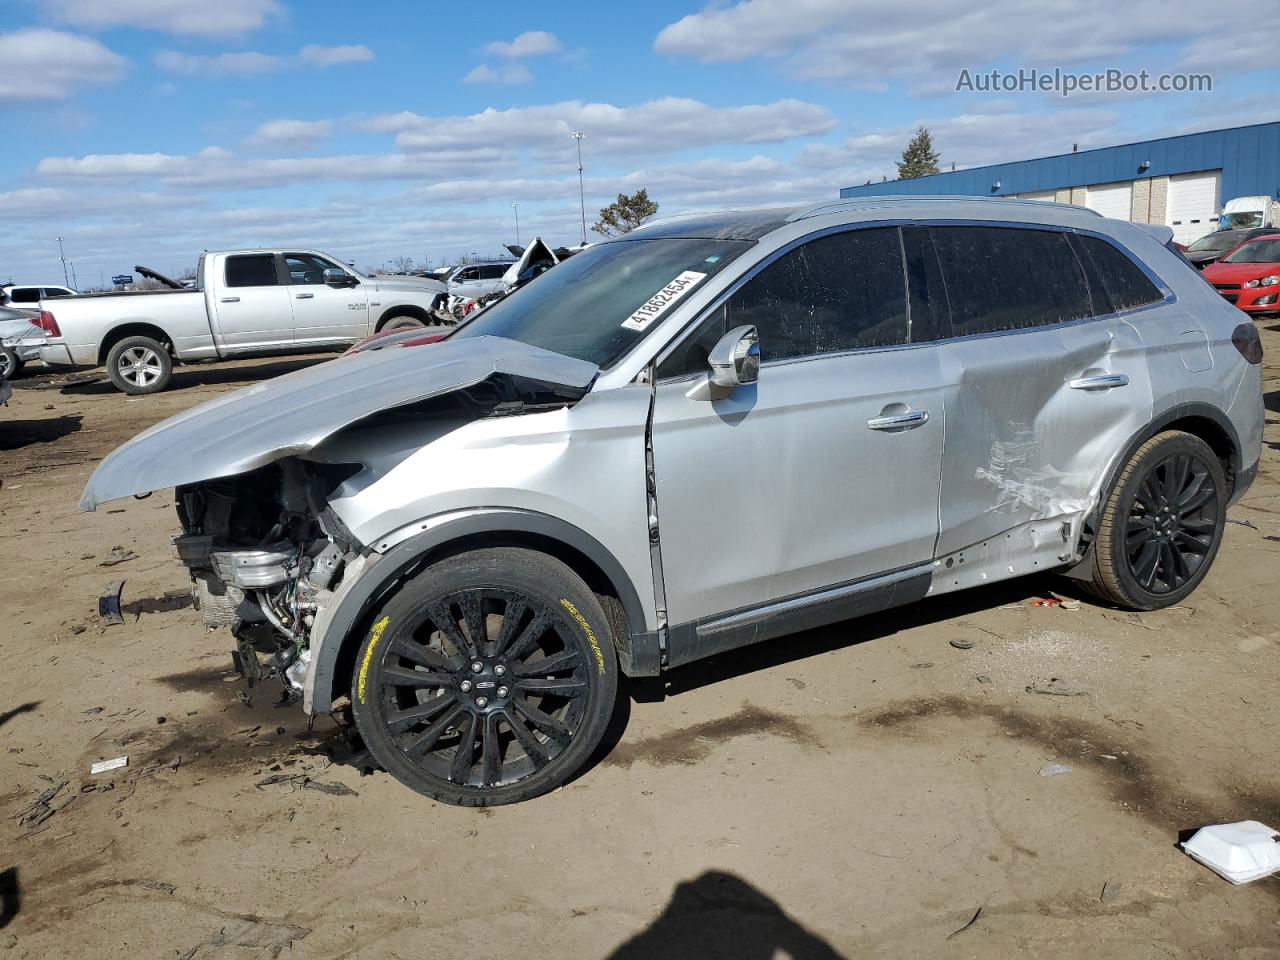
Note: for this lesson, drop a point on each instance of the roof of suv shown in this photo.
(754, 224)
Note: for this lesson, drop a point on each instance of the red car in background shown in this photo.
(1249, 276)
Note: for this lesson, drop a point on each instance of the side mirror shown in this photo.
(336, 277)
(735, 359)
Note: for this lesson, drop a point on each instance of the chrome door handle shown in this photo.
(1104, 382)
(899, 421)
(230, 299)
(304, 296)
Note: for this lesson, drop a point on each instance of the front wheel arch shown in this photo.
(635, 641)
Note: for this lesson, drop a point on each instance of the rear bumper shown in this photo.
(56, 355)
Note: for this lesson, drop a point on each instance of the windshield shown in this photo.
(1266, 250)
(1222, 240)
(599, 303)
(1244, 219)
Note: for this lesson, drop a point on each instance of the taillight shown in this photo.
(48, 324)
(1245, 339)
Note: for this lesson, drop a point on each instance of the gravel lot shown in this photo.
(815, 797)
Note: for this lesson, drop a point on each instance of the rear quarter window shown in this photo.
(1126, 285)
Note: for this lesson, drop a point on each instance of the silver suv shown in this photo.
(715, 431)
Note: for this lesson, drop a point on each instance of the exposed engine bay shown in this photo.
(266, 550)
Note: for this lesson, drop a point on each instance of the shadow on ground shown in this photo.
(199, 375)
(722, 915)
(15, 434)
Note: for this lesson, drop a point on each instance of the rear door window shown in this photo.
(252, 270)
(1126, 285)
(25, 295)
(50, 292)
(1001, 278)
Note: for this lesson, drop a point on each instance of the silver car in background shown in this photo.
(715, 431)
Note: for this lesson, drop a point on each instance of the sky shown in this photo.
(145, 131)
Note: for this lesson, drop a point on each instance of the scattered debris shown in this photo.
(249, 932)
(1055, 769)
(961, 643)
(102, 766)
(1055, 600)
(798, 684)
(1243, 523)
(109, 603)
(922, 666)
(41, 808)
(972, 921)
(301, 781)
(1110, 891)
(93, 711)
(1056, 687)
(983, 678)
(1132, 620)
(1238, 852)
(116, 555)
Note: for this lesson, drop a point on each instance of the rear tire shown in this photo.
(400, 323)
(139, 365)
(489, 678)
(10, 364)
(1162, 524)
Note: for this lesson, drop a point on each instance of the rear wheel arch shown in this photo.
(133, 329)
(405, 310)
(578, 550)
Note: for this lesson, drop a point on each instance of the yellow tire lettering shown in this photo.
(586, 628)
(375, 635)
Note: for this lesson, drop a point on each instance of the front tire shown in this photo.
(139, 366)
(487, 679)
(400, 323)
(1162, 525)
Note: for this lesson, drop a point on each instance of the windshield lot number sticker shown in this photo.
(661, 301)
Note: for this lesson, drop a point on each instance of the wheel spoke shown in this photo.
(1144, 567)
(1178, 570)
(1190, 543)
(429, 737)
(561, 688)
(511, 617)
(464, 757)
(442, 616)
(421, 655)
(548, 665)
(400, 720)
(548, 724)
(490, 751)
(1137, 532)
(1203, 529)
(1195, 500)
(1176, 473)
(535, 750)
(532, 633)
(404, 677)
(473, 617)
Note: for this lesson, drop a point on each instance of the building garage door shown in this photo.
(1049, 195)
(1193, 204)
(1110, 199)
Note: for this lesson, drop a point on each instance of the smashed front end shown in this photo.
(265, 552)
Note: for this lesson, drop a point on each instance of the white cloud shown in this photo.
(290, 133)
(511, 74)
(246, 63)
(864, 44)
(250, 63)
(664, 125)
(533, 43)
(39, 64)
(186, 17)
(331, 56)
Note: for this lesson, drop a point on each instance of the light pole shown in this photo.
(516, 208)
(63, 258)
(578, 136)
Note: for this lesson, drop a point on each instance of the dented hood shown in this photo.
(290, 415)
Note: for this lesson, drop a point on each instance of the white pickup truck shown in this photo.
(245, 303)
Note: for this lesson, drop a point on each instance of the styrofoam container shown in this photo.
(1239, 852)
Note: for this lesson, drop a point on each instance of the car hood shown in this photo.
(408, 283)
(290, 415)
(1239, 272)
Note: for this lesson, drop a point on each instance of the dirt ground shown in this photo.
(858, 791)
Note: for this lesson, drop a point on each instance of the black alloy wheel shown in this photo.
(487, 679)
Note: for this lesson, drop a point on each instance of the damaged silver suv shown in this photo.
(715, 431)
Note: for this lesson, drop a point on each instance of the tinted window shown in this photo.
(599, 303)
(1213, 242)
(56, 292)
(925, 289)
(1126, 285)
(1005, 279)
(254, 270)
(1256, 251)
(839, 292)
(306, 268)
(25, 295)
(493, 271)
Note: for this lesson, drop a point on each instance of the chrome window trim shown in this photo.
(679, 338)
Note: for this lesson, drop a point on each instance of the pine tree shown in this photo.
(919, 159)
(626, 214)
